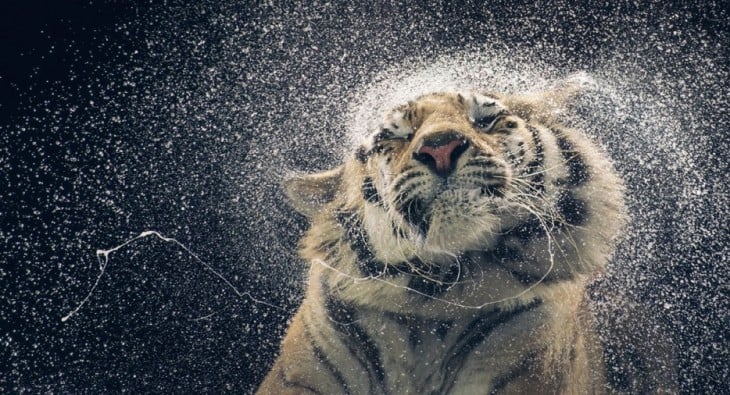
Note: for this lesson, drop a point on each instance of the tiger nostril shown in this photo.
(440, 152)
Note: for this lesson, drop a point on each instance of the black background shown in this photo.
(120, 117)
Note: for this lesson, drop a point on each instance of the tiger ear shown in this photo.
(309, 193)
(546, 105)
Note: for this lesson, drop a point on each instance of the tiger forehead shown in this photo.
(441, 109)
(442, 104)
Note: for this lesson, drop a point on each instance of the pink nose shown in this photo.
(441, 152)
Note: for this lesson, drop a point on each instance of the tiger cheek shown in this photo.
(484, 144)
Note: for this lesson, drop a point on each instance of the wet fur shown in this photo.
(470, 284)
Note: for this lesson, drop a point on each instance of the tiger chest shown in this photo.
(471, 354)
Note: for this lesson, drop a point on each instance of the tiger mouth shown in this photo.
(416, 212)
(419, 212)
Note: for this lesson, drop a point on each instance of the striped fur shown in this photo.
(458, 273)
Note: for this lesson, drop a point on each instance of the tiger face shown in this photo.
(465, 196)
(448, 172)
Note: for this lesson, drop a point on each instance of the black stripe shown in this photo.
(529, 230)
(426, 286)
(408, 113)
(407, 175)
(322, 357)
(416, 327)
(525, 278)
(511, 158)
(362, 154)
(414, 334)
(412, 324)
(397, 231)
(577, 168)
(436, 282)
(506, 252)
(507, 255)
(358, 343)
(401, 197)
(359, 338)
(521, 153)
(384, 134)
(481, 173)
(482, 161)
(487, 171)
(573, 210)
(496, 190)
(357, 239)
(516, 371)
(370, 193)
(502, 253)
(339, 311)
(522, 274)
(470, 338)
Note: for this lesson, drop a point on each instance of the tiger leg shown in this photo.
(302, 367)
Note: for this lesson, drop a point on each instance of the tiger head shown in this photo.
(484, 183)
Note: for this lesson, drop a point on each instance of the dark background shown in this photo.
(120, 117)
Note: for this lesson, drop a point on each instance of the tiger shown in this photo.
(450, 252)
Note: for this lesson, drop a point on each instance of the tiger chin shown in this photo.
(450, 253)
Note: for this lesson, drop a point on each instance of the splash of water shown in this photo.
(103, 259)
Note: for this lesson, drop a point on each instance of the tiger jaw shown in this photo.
(460, 220)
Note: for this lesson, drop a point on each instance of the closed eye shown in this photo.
(486, 122)
(390, 135)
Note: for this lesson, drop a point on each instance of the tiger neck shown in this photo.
(359, 240)
(469, 281)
